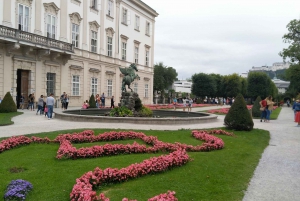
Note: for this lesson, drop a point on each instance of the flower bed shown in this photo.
(17, 190)
(83, 189)
(171, 106)
(225, 110)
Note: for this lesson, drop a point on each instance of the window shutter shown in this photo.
(128, 17)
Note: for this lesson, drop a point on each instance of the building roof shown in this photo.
(146, 7)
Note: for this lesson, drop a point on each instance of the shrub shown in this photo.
(121, 112)
(8, 105)
(198, 101)
(92, 102)
(255, 109)
(238, 117)
(138, 104)
(146, 112)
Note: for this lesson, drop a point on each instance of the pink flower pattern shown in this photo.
(83, 189)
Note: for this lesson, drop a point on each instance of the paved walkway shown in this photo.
(277, 177)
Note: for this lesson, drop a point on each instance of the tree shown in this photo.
(164, 77)
(293, 75)
(293, 53)
(8, 105)
(238, 116)
(293, 38)
(244, 86)
(234, 86)
(218, 81)
(258, 85)
(203, 85)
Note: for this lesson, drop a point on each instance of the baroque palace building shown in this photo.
(75, 46)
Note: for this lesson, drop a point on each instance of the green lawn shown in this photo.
(217, 175)
(5, 118)
(275, 113)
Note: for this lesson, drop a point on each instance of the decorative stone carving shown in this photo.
(54, 56)
(137, 42)
(146, 78)
(147, 46)
(94, 26)
(94, 70)
(110, 31)
(75, 67)
(26, 50)
(51, 8)
(110, 72)
(124, 37)
(11, 47)
(25, 2)
(65, 58)
(75, 18)
(42, 53)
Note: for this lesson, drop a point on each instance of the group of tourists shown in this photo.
(266, 107)
(100, 101)
(219, 101)
(186, 102)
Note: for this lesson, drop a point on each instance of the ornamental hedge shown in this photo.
(8, 105)
(255, 109)
(238, 117)
(92, 102)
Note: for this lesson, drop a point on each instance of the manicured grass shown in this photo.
(217, 175)
(5, 118)
(275, 113)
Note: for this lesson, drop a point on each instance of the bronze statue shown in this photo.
(129, 76)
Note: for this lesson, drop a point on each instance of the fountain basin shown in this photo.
(161, 117)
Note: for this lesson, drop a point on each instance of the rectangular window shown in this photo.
(75, 85)
(95, 4)
(136, 55)
(110, 7)
(147, 28)
(137, 23)
(23, 18)
(50, 83)
(94, 42)
(124, 50)
(146, 90)
(51, 26)
(109, 46)
(75, 35)
(109, 87)
(124, 16)
(147, 58)
(94, 86)
(135, 87)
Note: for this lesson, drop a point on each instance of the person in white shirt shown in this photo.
(50, 103)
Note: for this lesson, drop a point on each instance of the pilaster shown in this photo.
(38, 18)
(7, 8)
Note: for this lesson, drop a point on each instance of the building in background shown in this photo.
(75, 46)
(182, 86)
(281, 85)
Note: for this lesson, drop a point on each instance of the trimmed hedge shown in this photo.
(255, 109)
(8, 105)
(92, 102)
(238, 116)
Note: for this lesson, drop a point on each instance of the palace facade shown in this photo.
(75, 46)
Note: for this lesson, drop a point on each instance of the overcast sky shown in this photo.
(220, 36)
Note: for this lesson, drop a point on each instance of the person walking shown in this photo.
(40, 105)
(112, 102)
(50, 102)
(263, 104)
(62, 100)
(297, 112)
(174, 102)
(66, 101)
(190, 104)
(103, 100)
(22, 99)
(269, 107)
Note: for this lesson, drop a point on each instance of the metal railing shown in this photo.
(19, 35)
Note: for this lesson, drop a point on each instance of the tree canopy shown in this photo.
(164, 77)
(203, 85)
(258, 85)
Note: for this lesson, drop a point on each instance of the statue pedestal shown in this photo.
(128, 99)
